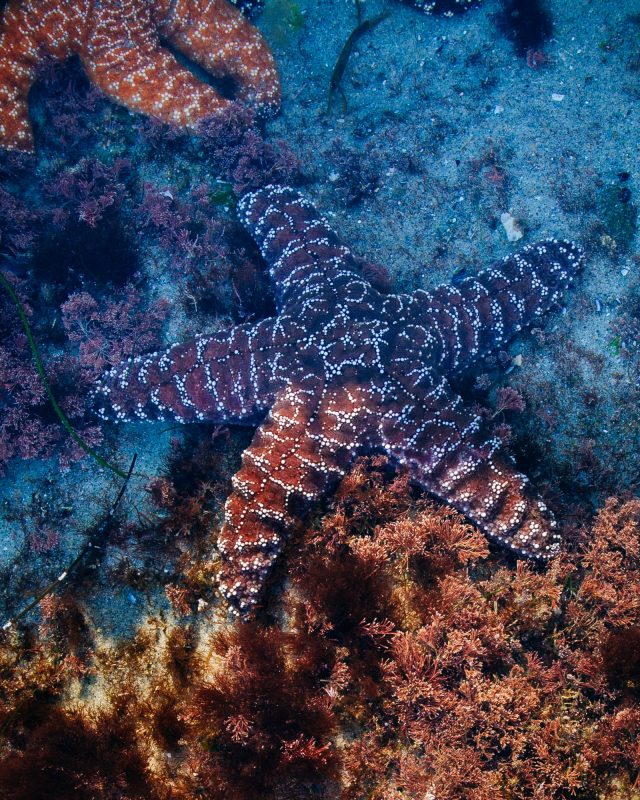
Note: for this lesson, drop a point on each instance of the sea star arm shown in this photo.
(239, 50)
(463, 323)
(118, 42)
(124, 57)
(227, 377)
(306, 261)
(306, 443)
(451, 453)
(23, 35)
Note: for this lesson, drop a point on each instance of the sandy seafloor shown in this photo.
(432, 106)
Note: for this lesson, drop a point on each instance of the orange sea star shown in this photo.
(120, 45)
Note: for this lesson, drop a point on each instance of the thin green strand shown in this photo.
(59, 412)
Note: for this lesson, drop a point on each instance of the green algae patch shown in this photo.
(222, 195)
(619, 215)
(281, 21)
(615, 345)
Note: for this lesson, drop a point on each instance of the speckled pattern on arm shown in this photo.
(480, 315)
(344, 370)
(119, 44)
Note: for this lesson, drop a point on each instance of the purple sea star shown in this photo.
(342, 370)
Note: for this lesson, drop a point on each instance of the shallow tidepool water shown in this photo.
(440, 131)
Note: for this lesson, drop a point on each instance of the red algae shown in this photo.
(400, 661)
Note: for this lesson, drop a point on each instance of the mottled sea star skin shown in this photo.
(343, 370)
(119, 44)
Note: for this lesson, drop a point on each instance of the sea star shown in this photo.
(342, 370)
(120, 45)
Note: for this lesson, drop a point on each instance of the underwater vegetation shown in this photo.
(77, 233)
(619, 214)
(399, 661)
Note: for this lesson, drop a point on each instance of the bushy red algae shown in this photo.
(404, 663)
(77, 237)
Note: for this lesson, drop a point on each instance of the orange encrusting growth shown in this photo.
(120, 46)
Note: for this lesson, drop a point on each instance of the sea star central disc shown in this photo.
(343, 370)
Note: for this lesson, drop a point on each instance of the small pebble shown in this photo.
(511, 226)
(557, 98)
